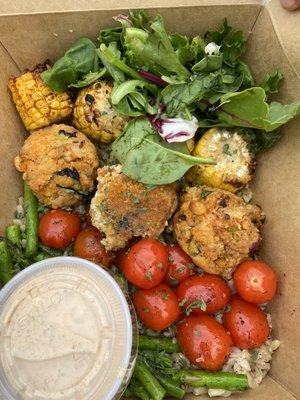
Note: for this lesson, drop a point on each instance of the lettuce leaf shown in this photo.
(271, 82)
(153, 51)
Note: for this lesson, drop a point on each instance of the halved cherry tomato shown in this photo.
(204, 341)
(246, 323)
(146, 263)
(57, 228)
(255, 281)
(88, 245)
(157, 308)
(180, 266)
(203, 293)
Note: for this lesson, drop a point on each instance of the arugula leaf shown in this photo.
(249, 109)
(128, 99)
(89, 78)
(271, 82)
(139, 19)
(78, 61)
(258, 140)
(146, 158)
(186, 51)
(109, 35)
(153, 51)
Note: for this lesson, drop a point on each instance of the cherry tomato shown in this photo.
(146, 263)
(203, 293)
(57, 228)
(204, 341)
(180, 266)
(246, 323)
(88, 245)
(157, 308)
(255, 281)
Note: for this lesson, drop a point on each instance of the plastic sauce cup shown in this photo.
(66, 332)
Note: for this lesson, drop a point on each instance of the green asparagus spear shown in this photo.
(158, 343)
(149, 382)
(7, 269)
(31, 221)
(13, 233)
(49, 251)
(138, 390)
(214, 380)
(172, 387)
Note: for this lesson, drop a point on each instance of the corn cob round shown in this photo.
(235, 163)
(94, 115)
(37, 104)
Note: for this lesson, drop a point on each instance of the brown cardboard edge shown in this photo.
(135, 4)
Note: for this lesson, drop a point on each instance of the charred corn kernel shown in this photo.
(235, 163)
(94, 115)
(37, 104)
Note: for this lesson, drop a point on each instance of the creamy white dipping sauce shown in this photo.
(63, 335)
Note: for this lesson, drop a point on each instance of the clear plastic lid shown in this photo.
(66, 333)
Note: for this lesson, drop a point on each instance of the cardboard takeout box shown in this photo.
(274, 37)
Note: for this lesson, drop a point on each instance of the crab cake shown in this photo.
(123, 209)
(94, 115)
(217, 228)
(59, 164)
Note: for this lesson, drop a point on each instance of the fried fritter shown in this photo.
(59, 163)
(217, 228)
(123, 209)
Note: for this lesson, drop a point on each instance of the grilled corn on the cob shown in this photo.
(37, 104)
(94, 115)
(235, 163)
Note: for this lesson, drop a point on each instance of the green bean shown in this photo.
(7, 269)
(49, 251)
(158, 343)
(13, 233)
(150, 383)
(138, 390)
(172, 387)
(214, 380)
(31, 221)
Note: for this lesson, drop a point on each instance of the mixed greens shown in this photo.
(179, 84)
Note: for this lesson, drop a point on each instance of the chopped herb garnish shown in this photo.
(160, 266)
(232, 229)
(102, 207)
(142, 209)
(196, 304)
(145, 309)
(196, 332)
(165, 296)
(170, 259)
(149, 275)
(227, 308)
(205, 193)
(226, 149)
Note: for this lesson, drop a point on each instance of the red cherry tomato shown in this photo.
(88, 245)
(180, 266)
(146, 263)
(57, 228)
(157, 308)
(204, 341)
(255, 281)
(203, 293)
(246, 323)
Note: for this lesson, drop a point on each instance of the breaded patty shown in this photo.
(59, 163)
(217, 228)
(123, 209)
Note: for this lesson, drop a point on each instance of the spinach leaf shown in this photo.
(259, 141)
(77, 62)
(130, 98)
(146, 158)
(271, 82)
(153, 51)
(249, 109)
